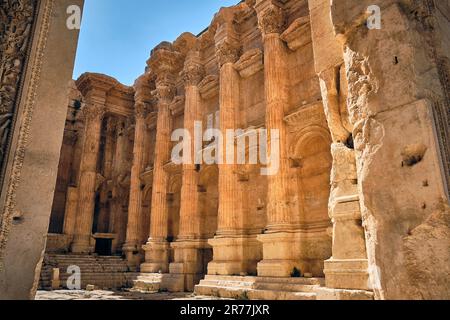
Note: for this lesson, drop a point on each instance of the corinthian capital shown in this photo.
(93, 112)
(271, 19)
(192, 73)
(141, 110)
(165, 62)
(227, 51)
(165, 92)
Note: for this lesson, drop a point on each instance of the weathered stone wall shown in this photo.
(398, 107)
(38, 76)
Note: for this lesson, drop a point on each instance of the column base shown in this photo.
(288, 253)
(82, 245)
(156, 257)
(189, 263)
(347, 274)
(237, 256)
(132, 255)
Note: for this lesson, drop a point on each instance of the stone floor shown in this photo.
(114, 295)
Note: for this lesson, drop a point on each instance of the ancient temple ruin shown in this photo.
(359, 206)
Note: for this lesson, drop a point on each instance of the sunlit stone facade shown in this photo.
(362, 117)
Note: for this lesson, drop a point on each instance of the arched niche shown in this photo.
(311, 163)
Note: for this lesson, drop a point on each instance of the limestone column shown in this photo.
(157, 248)
(189, 245)
(94, 112)
(118, 219)
(234, 251)
(71, 211)
(281, 241)
(131, 246)
(104, 215)
(229, 217)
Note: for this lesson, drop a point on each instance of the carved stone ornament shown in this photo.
(93, 112)
(165, 92)
(272, 20)
(141, 110)
(192, 73)
(227, 51)
(16, 25)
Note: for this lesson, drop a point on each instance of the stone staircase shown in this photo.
(101, 272)
(259, 288)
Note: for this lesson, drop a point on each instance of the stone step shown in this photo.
(64, 267)
(280, 295)
(251, 294)
(288, 287)
(103, 272)
(85, 258)
(305, 281)
(259, 288)
(285, 287)
(104, 281)
(146, 286)
(230, 284)
(112, 261)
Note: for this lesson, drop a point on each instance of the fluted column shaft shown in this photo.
(88, 175)
(135, 203)
(278, 212)
(118, 219)
(159, 213)
(282, 224)
(165, 63)
(230, 219)
(234, 251)
(189, 211)
(104, 216)
(157, 247)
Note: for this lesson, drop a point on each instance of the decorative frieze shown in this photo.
(16, 25)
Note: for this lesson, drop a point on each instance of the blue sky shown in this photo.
(117, 35)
